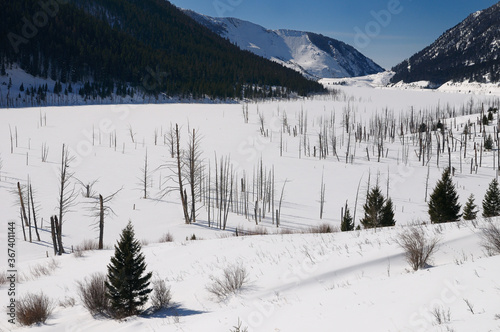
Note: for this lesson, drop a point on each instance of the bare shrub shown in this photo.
(144, 242)
(167, 237)
(193, 238)
(491, 238)
(232, 281)
(259, 230)
(322, 228)
(418, 248)
(161, 295)
(33, 309)
(86, 245)
(286, 231)
(41, 269)
(441, 316)
(92, 292)
(67, 302)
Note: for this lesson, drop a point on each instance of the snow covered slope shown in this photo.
(311, 54)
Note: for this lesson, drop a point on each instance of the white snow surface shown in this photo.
(356, 281)
(382, 80)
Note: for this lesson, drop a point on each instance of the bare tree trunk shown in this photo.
(57, 224)
(101, 222)
(179, 174)
(278, 212)
(24, 218)
(22, 223)
(34, 213)
(62, 184)
(53, 231)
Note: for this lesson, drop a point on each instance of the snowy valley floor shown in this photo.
(354, 281)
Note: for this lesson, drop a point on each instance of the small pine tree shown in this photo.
(485, 120)
(490, 116)
(470, 212)
(373, 207)
(347, 223)
(488, 143)
(388, 214)
(127, 286)
(379, 212)
(491, 201)
(443, 203)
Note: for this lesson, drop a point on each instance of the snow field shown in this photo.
(351, 281)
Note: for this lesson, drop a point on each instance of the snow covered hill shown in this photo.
(313, 55)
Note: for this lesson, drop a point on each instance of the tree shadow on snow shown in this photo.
(174, 310)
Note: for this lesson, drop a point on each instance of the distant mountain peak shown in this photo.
(466, 52)
(313, 55)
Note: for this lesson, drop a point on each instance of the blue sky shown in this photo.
(387, 31)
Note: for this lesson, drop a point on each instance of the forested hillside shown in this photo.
(117, 46)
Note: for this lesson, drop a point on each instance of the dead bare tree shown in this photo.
(278, 211)
(99, 209)
(182, 192)
(24, 217)
(45, 152)
(34, 209)
(322, 196)
(54, 227)
(131, 133)
(67, 194)
(88, 187)
(193, 171)
(145, 177)
(169, 139)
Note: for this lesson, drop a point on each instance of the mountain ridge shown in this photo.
(466, 52)
(311, 54)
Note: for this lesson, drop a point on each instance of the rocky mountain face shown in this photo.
(313, 55)
(467, 52)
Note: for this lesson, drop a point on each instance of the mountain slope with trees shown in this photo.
(468, 51)
(115, 45)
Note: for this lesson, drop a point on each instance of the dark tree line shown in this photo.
(149, 45)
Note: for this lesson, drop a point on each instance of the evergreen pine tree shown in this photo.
(491, 201)
(373, 208)
(488, 143)
(347, 223)
(443, 203)
(470, 211)
(388, 214)
(127, 285)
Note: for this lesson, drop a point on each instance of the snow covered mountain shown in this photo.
(313, 55)
(467, 52)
